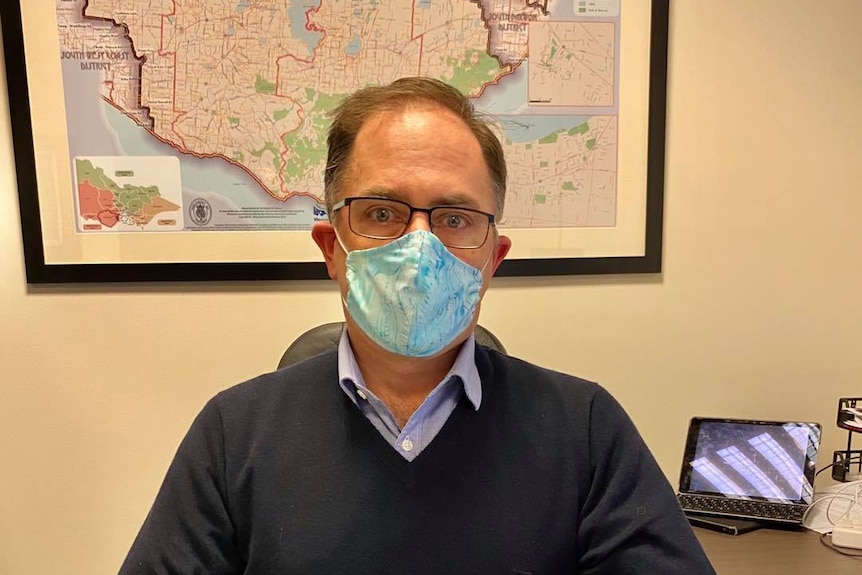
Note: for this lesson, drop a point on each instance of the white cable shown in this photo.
(850, 493)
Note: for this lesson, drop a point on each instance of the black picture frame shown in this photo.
(38, 271)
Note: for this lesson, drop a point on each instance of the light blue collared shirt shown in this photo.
(426, 421)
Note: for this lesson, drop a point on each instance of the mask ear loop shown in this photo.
(496, 237)
(338, 239)
(344, 248)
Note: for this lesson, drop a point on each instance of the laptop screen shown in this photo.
(743, 459)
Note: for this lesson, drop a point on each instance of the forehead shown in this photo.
(425, 156)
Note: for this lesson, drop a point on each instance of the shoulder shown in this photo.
(548, 393)
(297, 391)
(517, 375)
(301, 374)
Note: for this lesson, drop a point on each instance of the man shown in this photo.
(411, 449)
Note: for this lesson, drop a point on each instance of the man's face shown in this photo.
(426, 157)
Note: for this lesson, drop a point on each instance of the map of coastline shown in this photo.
(250, 82)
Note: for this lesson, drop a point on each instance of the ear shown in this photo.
(502, 248)
(324, 236)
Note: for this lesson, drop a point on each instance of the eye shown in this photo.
(381, 215)
(455, 221)
(452, 219)
(379, 212)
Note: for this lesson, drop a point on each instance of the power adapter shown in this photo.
(849, 536)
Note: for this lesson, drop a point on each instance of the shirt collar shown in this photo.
(464, 368)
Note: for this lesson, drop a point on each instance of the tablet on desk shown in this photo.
(754, 471)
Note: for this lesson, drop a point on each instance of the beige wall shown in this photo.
(757, 313)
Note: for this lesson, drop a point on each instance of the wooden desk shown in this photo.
(774, 552)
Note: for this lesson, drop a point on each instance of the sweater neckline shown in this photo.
(363, 436)
(446, 446)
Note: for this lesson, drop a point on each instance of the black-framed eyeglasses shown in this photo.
(387, 219)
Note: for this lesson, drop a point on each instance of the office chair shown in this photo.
(324, 337)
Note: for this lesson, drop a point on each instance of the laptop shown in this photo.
(759, 471)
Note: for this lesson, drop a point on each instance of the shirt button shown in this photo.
(407, 445)
(361, 394)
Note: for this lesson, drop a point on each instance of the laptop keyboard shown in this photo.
(742, 508)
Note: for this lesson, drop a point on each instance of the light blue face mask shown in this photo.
(411, 296)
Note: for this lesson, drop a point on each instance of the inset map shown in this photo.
(128, 194)
(572, 63)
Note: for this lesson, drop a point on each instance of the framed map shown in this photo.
(163, 140)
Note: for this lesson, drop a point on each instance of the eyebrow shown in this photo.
(450, 199)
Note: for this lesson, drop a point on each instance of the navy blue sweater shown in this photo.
(284, 475)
